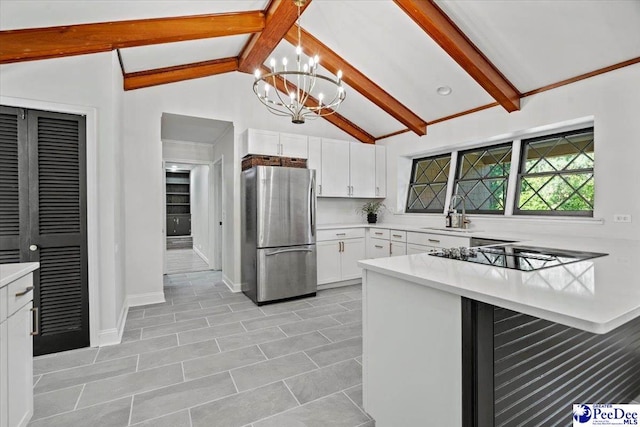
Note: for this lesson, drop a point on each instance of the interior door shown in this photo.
(51, 189)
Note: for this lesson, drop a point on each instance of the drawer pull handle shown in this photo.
(379, 247)
(434, 240)
(341, 234)
(26, 291)
(397, 235)
(36, 321)
(378, 234)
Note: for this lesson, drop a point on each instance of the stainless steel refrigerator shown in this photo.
(278, 233)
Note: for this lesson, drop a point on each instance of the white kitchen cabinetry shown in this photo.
(398, 243)
(262, 142)
(335, 168)
(338, 251)
(378, 248)
(16, 345)
(269, 143)
(381, 171)
(362, 177)
(295, 146)
(427, 242)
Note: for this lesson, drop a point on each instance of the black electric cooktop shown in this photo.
(517, 257)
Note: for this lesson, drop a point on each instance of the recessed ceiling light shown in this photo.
(443, 90)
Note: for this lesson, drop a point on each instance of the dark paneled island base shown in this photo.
(519, 370)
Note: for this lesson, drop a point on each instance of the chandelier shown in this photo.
(304, 89)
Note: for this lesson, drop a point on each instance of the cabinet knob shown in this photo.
(33, 248)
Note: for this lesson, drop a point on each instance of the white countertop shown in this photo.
(391, 226)
(596, 295)
(11, 272)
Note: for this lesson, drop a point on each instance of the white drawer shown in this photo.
(437, 240)
(377, 248)
(339, 234)
(19, 293)
(419, 249)
(379, 233)
(398, 235)
(3, 304)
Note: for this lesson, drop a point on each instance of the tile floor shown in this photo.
(209, 357)
(184, 261)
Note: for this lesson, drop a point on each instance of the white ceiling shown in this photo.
(175, 127)
(42, 13)
(532, 42)
(187, 52)
(536, 43)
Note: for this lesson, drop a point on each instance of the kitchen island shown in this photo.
(448, 342)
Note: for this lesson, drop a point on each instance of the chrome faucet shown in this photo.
(463, 221)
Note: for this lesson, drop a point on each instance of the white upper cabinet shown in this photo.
(335, 168)
(362, 170)
(269, 143)
(381, 171)
(262, 142)
(293, 146)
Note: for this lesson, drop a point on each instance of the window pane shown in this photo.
(427, 189)
(560, 153)
(557, 174)
(482, 179)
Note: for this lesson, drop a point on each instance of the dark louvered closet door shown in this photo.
(57, 201)
(43, 218)
(13, 182)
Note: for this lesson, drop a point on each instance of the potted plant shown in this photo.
(371, 209)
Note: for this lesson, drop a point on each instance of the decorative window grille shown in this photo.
(482, 178)
(428, 184)
(556, 175)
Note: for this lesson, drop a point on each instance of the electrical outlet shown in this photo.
(621, 218)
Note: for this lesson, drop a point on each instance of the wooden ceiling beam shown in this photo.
(52, 42)
(357, 80)
(281, 15)
(160, 76)
(446, 33)
(336, 119)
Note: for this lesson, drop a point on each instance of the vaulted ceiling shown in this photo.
(394, 54)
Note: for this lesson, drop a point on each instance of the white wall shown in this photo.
(200, 210)
(87, 83)
(613, 99)
(227, 97)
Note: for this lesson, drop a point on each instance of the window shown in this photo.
(482, 178)
(428, 184)
(556, 175)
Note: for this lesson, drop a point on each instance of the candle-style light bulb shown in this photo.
(257, 74)
(320, 98)
(284, 61)
(339, 75)
(298, 50)
(305, 68)
(273, 64)
(266, 89)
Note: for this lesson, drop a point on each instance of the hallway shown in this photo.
(184, 261)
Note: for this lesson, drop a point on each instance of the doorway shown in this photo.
(187, 217)
(43, 218)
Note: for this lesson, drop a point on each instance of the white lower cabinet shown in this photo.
(378, 248)
(413, 249)
(20, 367)
(398, 248)
(16, 352)
(338, 252)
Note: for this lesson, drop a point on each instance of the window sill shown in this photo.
(519, 218)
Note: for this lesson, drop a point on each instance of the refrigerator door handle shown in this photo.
(283, 251)
(312, 206)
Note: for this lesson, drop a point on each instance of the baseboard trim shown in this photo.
(144, 299)
(201, 255)
(233, 287)
(339, 284)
